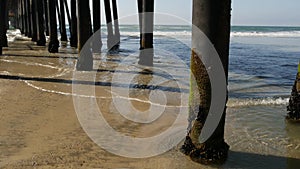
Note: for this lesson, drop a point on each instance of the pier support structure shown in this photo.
(74, 38)
(97, 42)
(62, 19)
(46, 16)
(110, 34)
(3, 24)
(28, 18)
(41, 39)
(294, 102)
(34, 22)
(146, 19)
(212, 17)
(85, 60)
(53, 43)
(116, 23)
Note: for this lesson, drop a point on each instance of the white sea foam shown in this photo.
(282, 34)
(257, 102)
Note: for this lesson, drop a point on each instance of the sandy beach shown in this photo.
(39, 125)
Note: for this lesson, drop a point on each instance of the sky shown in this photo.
(244, 12)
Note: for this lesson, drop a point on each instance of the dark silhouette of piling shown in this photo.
(85, 60)
(116, 23)
(33, 20)
(110, 34)
(27, 18)
(46, 16)
(41, 39)
(140, 11)
(22, 18)
(53, 43)
(96, 15)
(293, 107)
(97, 42)
(73, 39)
(146, 52)
(212, 17)
(3, 24)
(62, 21)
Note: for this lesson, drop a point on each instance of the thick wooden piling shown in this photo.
(3, 24)
(97, 42)
(33, 20)
(110, 35)
(62, 21)
(41, 41)
(22, 18)
(140, 11)
(73, 39)
(85, 60)
(46, 16)
(21, 21)
(116, 22)
(53, 43)
(212, 17)
(28, 17)
(147, 53)
(293, 107)
(96, 15)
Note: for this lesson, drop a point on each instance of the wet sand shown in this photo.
(39, 126)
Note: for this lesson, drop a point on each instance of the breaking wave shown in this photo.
(257, 102)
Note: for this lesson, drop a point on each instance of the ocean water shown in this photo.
(262, 69)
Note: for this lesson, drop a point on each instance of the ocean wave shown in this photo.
(282, 34)
(257, 102)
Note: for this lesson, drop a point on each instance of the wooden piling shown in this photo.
(3, 26)
(21, 26)
(26, 18)
(116, 22)
(96, 15)
(110, 35)
(46, 16)
(53, 43)
(34, 22)
(147, 53)
(22, 17)
(212, 17)
(74, 38)
(28, 6)
(97, 42)
(41, 41)
(140, 11)
(62, 21)
(293, 107)
(85, 60)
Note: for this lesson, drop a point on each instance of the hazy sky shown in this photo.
(244, 12)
